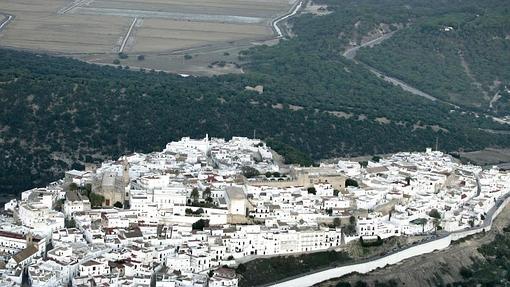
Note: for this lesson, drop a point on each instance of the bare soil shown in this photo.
(93, 30)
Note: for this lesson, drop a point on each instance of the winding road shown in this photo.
(276, 22)
(351, 54)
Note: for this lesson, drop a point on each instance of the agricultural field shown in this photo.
(162, 30)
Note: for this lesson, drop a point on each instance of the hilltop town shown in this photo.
(186, 216)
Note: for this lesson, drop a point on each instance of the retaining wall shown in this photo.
(394, 258)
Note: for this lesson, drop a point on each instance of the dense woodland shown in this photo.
(460, 55)
(58, 113)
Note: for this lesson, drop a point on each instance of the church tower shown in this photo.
(125, 180)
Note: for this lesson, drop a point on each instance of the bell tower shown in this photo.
(125, 180)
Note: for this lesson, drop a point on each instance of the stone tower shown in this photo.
(125, 179)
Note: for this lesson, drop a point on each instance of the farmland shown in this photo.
(161, 30)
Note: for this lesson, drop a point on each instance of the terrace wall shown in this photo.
(394, 258)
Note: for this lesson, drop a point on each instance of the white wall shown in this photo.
(394, 258)
(366, 267)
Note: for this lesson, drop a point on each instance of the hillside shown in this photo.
(460, 55)
(480, 260)
(58, 113)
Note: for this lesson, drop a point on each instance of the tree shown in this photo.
(329, 211)
(69, 223)
(188, 57)
(73, 186)
(195, 195)
(376, 158)
(118, 204)
(141, 57)
(116, 62)
(200, 224)
(352, 220)
(351, 182)
(337, 222)
(123, 55)
(465, 273)
(343, 284)
(206, 193)
(249, 171)
(436, 223)
(59, 204)
(96, 199)
(268, 174)
(312, 190)
(350, 229)
(188, 211)
(87, 189)
(420, 221)
(435, 214)
(363, 164)
(336, 192)
(241, 268)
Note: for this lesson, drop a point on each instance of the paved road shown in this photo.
(127, 35)
(351, 54)
(405, 86)
(276, 22)
(7, 18)
(71, 6)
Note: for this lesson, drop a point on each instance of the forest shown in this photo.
(461, 55)
(58, 113)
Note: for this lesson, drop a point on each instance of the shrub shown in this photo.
(465, 273)
(351, 182)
